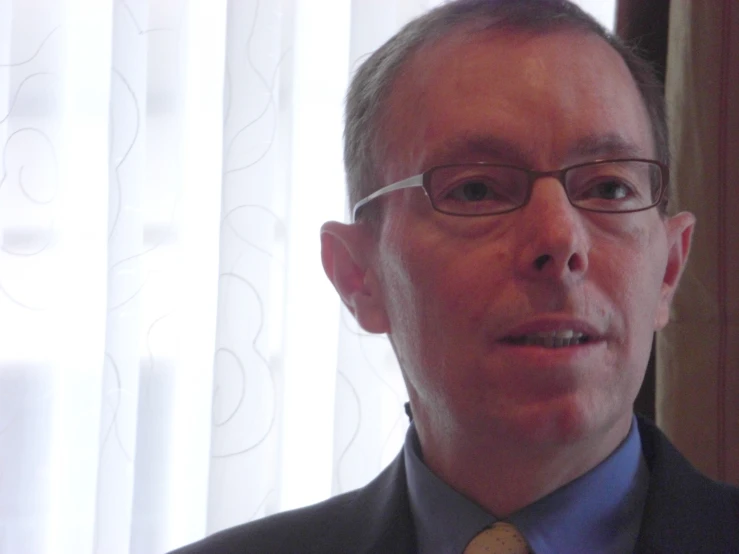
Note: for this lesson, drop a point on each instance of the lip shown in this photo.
(549, 324)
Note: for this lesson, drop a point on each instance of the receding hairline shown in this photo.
(375, 80)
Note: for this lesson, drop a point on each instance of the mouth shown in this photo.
(551, 339)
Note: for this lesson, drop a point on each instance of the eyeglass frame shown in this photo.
(423, 179)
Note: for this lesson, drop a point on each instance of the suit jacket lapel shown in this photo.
(388, 524)
(684, 511)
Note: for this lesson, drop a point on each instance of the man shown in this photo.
(507, 167)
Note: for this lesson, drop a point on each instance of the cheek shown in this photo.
(632, 270)
(453, 280)
(440, 290)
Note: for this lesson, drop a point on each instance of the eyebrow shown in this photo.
(609, 145)
(488, 147)
(482, 145)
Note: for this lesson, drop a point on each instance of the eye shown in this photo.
(604, 189)
(477, 189)
(613, 186)
(610, 189)
(482, 188)
(472, 191)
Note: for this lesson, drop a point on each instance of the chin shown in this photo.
(566, 421)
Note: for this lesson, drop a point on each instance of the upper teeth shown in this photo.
(552, 339)
(564, 334)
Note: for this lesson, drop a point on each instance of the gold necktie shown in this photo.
(501, 538)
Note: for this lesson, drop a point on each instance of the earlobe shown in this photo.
(679, 236)
(345, 252)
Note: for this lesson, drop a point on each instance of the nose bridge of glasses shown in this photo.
(534, 176)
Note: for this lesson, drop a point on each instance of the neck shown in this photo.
(505, 474)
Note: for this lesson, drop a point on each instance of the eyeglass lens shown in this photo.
(476, 189)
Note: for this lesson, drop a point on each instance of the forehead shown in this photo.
(541, 100)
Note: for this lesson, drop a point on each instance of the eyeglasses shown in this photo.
(479, 189)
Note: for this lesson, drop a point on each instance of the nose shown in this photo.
(554, 242)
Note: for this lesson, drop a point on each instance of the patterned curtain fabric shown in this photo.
(698, 354)
(172, 359)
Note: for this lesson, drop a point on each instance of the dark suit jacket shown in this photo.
(685, 512)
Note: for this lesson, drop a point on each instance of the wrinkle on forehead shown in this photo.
(533, 69)
(473, 147)
(414, 114)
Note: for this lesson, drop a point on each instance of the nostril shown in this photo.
(576, 263)
(541, 261)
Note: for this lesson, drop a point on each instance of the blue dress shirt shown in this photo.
(599, 511)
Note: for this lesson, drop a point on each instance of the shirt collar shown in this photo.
(598, 512)
(444, 519)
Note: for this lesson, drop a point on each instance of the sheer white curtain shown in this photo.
(172, 359)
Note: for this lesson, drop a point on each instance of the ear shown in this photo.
(679, 235)
(346, 251)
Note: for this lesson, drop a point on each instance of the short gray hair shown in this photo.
(372, 83)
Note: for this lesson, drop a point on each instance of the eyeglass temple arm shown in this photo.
(415, 181)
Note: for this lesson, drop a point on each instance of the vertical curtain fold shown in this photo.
(243, 478)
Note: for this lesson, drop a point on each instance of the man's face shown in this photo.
(455, 290)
